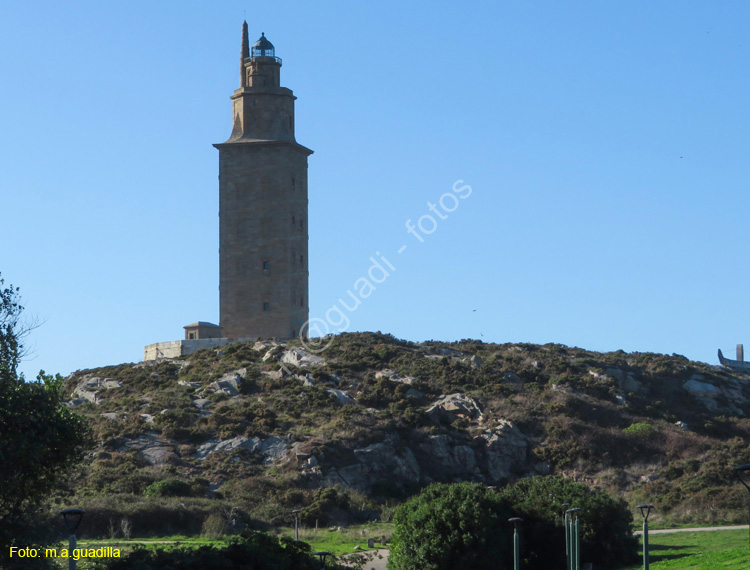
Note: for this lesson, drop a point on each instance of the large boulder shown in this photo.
(300, 358)
(507, 449)
(457, 405)
(90, 388)
(273, 448)
(154, 449)
(725, 398)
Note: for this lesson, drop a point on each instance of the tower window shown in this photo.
(300, 259)
(266, 265)
(301, 301)
(300, 223)
(266, 306)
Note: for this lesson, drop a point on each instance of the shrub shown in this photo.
(640, 431)
(169, 488)
(214, 526)
(606, 523)
(449, 526)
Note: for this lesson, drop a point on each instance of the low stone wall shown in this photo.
(176, 348)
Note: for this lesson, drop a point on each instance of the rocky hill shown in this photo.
(266, 425)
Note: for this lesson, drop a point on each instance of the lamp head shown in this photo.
(645, 510)
(72, 518)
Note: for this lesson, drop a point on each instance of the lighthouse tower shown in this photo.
(263, 237)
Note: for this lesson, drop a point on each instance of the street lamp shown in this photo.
(742, 470)
(323, 556)
(574, 559)
(516, 543)
(567, 535)
(645, 511)
(296, 523)
(72, 518)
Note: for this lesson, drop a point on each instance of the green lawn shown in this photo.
(344, 541)
(710, 550)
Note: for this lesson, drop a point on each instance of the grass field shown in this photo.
(710, 550)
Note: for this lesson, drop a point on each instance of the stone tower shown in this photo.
(263, 279)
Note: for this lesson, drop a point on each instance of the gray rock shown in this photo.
(300, 358)
(394, 376)
(273, 448)
(202, 403)
(90, 387)
(194, 385)
(342, 397)
(696, 386)
(455, 460)
(148, 418)
(458, 405)
(228, 387)
(506, 447)
(475, 361)
(152, 448)
(110, 415)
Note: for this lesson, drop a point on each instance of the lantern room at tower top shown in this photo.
(264, 48)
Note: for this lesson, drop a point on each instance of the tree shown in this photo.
(449, 526)
(465, 525)
(39, 437)
(605, 522)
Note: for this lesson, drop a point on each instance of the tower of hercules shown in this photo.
(263, 277)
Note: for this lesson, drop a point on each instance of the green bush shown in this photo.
(640, 431)
(450, 526)
(169, 488)
(606, 523)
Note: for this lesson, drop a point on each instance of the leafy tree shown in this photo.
(465, 525)
(605, 522)
(39, 437)
(449, 526)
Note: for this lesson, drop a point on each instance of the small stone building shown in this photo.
(202, 329)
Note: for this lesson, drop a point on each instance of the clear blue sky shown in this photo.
(606, 144)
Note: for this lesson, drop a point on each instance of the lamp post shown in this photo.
(645, 511)
(567, 535)
(72, 518)
(575, 540)
(741, 471)
(323, 556)
(516, 543)
(296, 523)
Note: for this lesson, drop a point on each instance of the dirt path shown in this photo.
(377, 563)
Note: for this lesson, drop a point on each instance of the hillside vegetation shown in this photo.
(248, 432)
